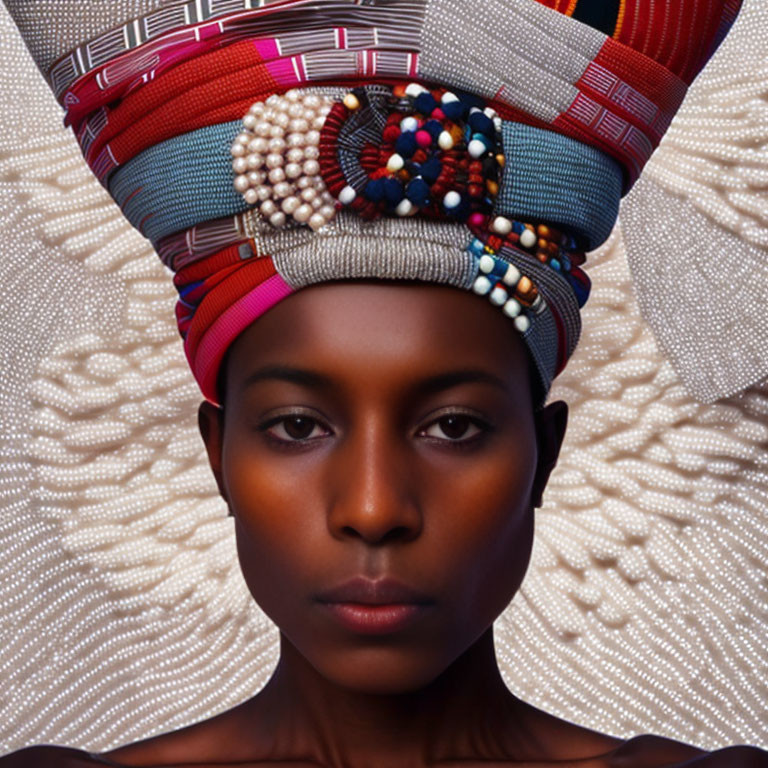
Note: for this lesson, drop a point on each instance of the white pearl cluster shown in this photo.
(275, 159)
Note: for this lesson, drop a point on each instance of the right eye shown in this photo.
(294, 429)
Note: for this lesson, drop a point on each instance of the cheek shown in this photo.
(483, 522)
(279, 524)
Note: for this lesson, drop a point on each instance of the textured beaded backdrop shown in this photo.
(122, 609)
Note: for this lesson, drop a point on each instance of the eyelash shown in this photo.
(483, 426)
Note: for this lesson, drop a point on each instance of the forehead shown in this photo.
(398, 330)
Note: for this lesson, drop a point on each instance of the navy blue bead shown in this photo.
(461, 211)
(481, 123)
(433, 127)
(425, 103)
(374, 190)
(418, 192)
(454, 110)
(393, 192)
(406, 145)
(431, 170)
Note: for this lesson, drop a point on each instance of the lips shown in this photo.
(365, 591)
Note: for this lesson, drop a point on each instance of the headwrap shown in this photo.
(485, 144)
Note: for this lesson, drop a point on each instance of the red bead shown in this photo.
(424, 139)
(391, 134)
(438, 114)
(475, 190)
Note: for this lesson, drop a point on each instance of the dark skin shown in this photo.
(383, 429)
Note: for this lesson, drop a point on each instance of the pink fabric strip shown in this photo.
(228, 326)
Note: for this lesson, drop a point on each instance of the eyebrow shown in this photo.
(429, 385)
(286, 373)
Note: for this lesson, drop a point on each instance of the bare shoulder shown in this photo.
(49, 756)
(649, 751)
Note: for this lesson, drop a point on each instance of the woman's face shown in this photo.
(383, 431)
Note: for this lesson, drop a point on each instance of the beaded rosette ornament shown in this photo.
(397, 151)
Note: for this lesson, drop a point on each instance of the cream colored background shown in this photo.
(122, 610)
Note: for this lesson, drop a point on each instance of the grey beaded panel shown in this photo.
(535, 53)
(386, 249)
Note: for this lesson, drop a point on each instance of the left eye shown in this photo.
(295, 429)
(454, 427)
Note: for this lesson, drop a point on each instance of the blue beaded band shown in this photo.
(548, 177)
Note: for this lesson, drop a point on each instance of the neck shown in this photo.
(466, 712)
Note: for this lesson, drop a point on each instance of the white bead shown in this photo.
(295, 111)
(243, 138)
(238, 150)
(293, 170)
(295, 155)
(502, 226)
(409, 124)
(249, 121)
(305, 182)
(449, 98)
(276, 175)
(256, 178)
(277, 131)
(395, 163)
(282, 120)
(498, 296)
(317, 204)
(312, 152)
(491, 112)
(290, 204)
(296, 140)
(316, 221)
(257, 108)
(528, 239)
(293, 95)
(308, 195)
(477, 149)
(273, 99)
(242, 183)
(277, 219)
(251, 197)
(487, 263)
(311, 168)
(405, 208)
(482, 286)
(259, 145)
(264, 193)
(240, 165)
(312, 101)
(312, 138)
(452, 200)
(255, 161)
(522, 323)
(327, 211)
(303, 213)
(268, 207)
(283, 189)
(445, 141)
(318, 123)
(277, 145)
(347, 196)
(299, 125)
(414, 90)
(512, 276)
(275, 160)
(262, 129)
(512, 308)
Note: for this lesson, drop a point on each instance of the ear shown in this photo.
(551, 423)
(210, 421)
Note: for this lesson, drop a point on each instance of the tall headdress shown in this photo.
(486, 144)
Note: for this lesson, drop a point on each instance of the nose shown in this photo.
(374, 484)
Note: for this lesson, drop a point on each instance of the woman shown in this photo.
(398, 406)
